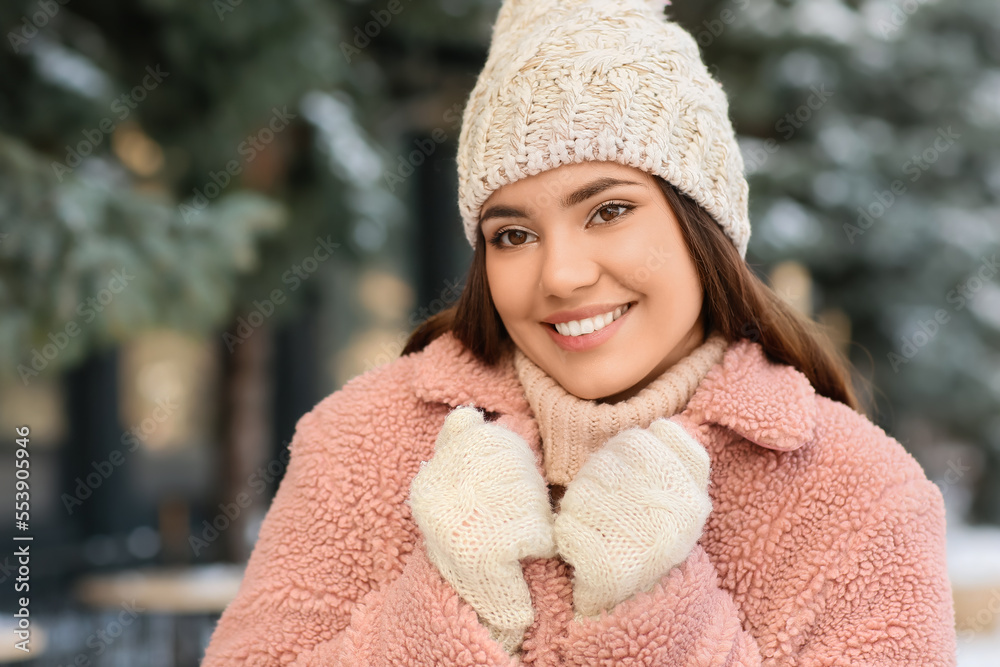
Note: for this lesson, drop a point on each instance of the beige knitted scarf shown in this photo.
(572, 428)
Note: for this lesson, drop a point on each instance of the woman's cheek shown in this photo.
(633, 265)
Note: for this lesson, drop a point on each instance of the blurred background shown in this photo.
(215, 212)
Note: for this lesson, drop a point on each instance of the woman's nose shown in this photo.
(567, 264)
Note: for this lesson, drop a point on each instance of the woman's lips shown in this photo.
(587, 341)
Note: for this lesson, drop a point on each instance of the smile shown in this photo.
(589, 333)
(591, 324)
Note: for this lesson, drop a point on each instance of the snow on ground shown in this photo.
(974, 570)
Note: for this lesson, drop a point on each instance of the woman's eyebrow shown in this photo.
(592, 189)
(502, 212)
(580, 195)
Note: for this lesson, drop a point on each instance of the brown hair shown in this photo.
(736, 303)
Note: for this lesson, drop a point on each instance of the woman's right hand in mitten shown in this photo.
(634, 511)
(482, 507)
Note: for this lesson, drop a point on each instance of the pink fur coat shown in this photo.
(825, 545)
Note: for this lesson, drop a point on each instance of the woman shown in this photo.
(619, 448)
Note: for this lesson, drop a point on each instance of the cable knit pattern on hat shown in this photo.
(572, 428)
(573, 80)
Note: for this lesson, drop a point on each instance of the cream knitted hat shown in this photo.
(573, 80)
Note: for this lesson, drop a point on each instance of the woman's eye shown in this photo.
(611, 211)
(517, 237)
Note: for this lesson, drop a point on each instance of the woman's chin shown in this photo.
(604, 391)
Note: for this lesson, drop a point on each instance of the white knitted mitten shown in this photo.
(634, 511)
(482, 506)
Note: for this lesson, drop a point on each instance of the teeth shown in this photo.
(591, 324)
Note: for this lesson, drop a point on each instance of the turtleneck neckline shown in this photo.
(571, 427)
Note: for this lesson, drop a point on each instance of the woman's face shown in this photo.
(584, 240)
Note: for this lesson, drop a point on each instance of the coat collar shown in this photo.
(770, 404)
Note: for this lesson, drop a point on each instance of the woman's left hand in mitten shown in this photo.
(634, 511)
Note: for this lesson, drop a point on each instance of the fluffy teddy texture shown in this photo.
(573, 80)
(825, 545)
(482, 507)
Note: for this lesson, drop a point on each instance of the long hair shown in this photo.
(735, 302)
